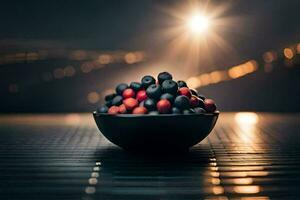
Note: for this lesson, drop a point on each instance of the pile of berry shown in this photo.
(163, 96)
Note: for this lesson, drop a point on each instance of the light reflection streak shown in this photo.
(246, 163)
(215, 181)
(215, 174)
(218, 190)
(241, 168)
(246, 126)
(242, 181)
(255, 198)
(253, 189)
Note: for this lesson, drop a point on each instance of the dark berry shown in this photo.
(182, 102)
(120, 88)
(169, 86)
(154, 91)
(108, 103)
(194, 92)
(164, 76)
(192, 110)
(176, 110)
(130, 103)
(139, 110)
(147, 81)
(188, 111)
(209, 105)
(185, 91)
(128, 93)
(113, 110)
(141, 95)
(199, 110)
(163, 106)
(117, 100)
(150, 104)
(109, 97)
(201, 96)
(136, 86)
(154, 112)
(102, 109)
(167, 96)
(201, 103)
(181, 84)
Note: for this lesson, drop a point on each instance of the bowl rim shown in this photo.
(216, 113)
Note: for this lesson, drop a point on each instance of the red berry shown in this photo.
(139, 110)
(163, 106)
(130, 103)
(210, 105)
(122, 109)
(194, 101)
(128, 93)
(113, 110)
(141, 95)
(185, 91)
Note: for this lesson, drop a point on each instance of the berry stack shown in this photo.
(164, 96)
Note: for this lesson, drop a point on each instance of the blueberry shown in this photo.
(102, 109)
(150, 104)
(154, 112)
(168, 96)
(182, 102)
(199, 110)
(201, 103)
(170, 86)
(153, 91)
(201, 96)
(176, 110)
(188, 111)
(164, 76)
(147, 81)
(181, 84)
(109, 97)
(108, 103)
(194, 92)
(136, 86)
(117, 100)
(121, 87)
(192, 110)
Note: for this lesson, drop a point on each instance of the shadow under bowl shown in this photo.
(167, 132)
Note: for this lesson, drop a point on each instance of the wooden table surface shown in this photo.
(62, 156)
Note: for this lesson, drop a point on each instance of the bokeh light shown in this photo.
(105, 59)
(93, 97)
(288, 53)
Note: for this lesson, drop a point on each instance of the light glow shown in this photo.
(194, 35)
(198, 23)
(246, 118)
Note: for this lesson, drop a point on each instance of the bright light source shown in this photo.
(198, 23)
(194, 36)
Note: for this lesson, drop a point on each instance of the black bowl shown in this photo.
(167, 132)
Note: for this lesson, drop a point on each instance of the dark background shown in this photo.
(55, 29)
